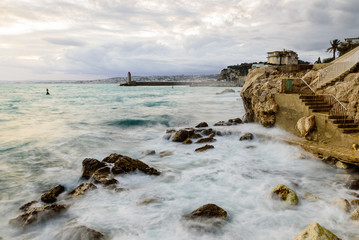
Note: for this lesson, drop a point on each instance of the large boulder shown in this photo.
(207, 211)
(90, 166)
(316, 232)
(202, 125)
(305, 125)
(79, 233)
(50, 195)
(285, 194)
(37, 215)
(124, 164)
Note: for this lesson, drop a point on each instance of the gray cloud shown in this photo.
(66, 39)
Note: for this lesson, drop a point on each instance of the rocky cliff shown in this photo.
(261, 85)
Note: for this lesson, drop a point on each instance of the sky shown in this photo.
(96, 39)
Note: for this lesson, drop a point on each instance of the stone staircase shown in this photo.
(317, 104)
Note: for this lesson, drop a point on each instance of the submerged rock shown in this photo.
(50, 195)
(204, 148)
(316, 232)
(106, 181)
(82, 189)
(355, 215)
(90, 166)
(226, 91)
(354, 203)
(150, 152)
(246, 136)
(206, 140)
(206, 212)
(37, 215)
(342, 203)
(187, 141)
(124, 164)
(285, 194)
(235, 121)
(148, 201)
(27, 206)
(207, 131)
(202, 125)
(330, 160)
(79, 233)
(352, 183)
(165, 154)
(311, 197)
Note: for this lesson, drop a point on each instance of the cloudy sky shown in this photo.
(92, 39)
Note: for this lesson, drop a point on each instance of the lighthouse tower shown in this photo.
(129, 82)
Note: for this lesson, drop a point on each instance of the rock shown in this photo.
(306, 124)
(106, 181)
(124, 164)
(206, 140)
(354, 194)
(182, 135)
(310, 197)
(170, 130)
(316, 232)
(235, 121)
(102, 173)
(220, 123)
(355, 147)
(187, 141)
(342, 204)
(283, 193)
(27, 206)
(206, 212)
(202, 125)
(196, 136)
(354, 203)
(226, 91)
(89, 167)
(355, 215)
(352, 183)
(204, 148)
(207, 132)
(50, 195)
(82, 189)
(246, 136)
(37, 215)
(341, 165)
(148, 201)
(79, 233)
(165, 154)
(150, 152)
(330, 160)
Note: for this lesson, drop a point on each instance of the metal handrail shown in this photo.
(339, 67)
(307, 85)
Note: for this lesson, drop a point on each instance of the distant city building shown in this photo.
(352, 40)
(285, 57)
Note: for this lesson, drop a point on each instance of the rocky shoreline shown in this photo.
(54, 202)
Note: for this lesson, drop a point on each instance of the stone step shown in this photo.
(337, 117)
(348, 125)
(314, 101)
(350, 130)
(308, 96)
(321, 110)
(341, 121)
(320, 107)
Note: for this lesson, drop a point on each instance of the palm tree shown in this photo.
(334, 46)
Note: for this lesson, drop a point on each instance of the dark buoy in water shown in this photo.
(47, 92)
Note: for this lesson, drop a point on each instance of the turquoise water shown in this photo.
(44, 139)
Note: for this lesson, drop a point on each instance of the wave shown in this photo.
(156, 103)
(131, 122)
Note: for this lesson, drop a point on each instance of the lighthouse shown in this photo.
(129, 82)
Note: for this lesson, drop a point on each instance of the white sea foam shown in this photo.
(236, 175)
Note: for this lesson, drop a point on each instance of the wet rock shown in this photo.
(82, 189)
(342, 204)
(165, 154)
(306, 124)
(124, 164)
(355, 215)
(27, 206)
(202, 125)
(341, 165)
(354, 194)
(37, 215)
(234, 121)
(206, 140)
(246, 136)
(182, 135)
(219, 133)
(50, 195)
(220, 123)
(354, 203)
(285, 194)
(226, 91)
(330, 160)
(204, 148)
(106, 181)
(310, 197)
(187, 141)
(150, 152)
(196, 136)
(207, 211)
(148, 201)
(207, 132)
(79, 233)
(355, 147)
(90, 166)
(170, 130)
(102, 173)
(352, 183)
(316, 232)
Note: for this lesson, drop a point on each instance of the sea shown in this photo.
(44, 138)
